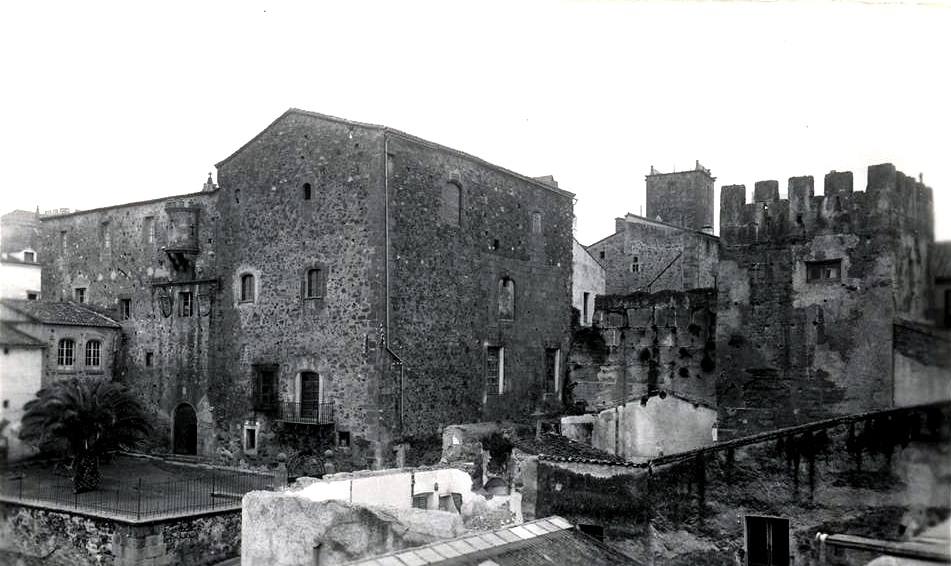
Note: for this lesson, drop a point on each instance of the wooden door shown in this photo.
(309, 395)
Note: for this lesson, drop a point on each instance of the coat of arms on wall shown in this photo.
(165, 302)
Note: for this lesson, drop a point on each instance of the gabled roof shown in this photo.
(557, 448)
(549, 541)
(10, 336)
(69, 313)
(404, 135)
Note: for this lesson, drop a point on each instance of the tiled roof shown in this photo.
(10, 336)
(557, 448)
(71, 314)
(549, 541)
(941, 260)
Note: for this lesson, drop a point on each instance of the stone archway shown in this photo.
(185, 430)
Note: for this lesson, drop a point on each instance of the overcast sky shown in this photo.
(104, 103)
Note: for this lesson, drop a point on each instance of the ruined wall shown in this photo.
(587, 282)
(269, 229)
(644, 344)
(684, 198)
(444, 284)
(886, 476)
(644, 255)
(119, 253)
(792, 348)
(922, 364)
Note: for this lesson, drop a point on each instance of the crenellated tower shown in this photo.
(682, 198)
(809, 289)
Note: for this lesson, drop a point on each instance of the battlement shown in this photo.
(891, 201)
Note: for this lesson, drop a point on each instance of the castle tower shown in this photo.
(683, 198)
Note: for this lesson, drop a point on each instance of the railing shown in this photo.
(138, 500)
(305, 413)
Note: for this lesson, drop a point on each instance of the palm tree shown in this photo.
(88, 418)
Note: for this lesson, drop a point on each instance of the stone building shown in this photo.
(682, 198)
(587, 282)
(344, 284)
(810, 291)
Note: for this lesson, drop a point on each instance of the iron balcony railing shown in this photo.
(305, 413)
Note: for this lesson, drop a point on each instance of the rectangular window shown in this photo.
(767, 541)
(64, 354)
(601, 254)
(829, 270)
(314, 283)
(265, 387)
(148, 229)
(584, 308)
(92, 353)
(635, 267)
(125, 309)
(536, 223)
(32, 296)
(79, 294)
(421, 500)
(186, 305)
(495, 370)
(552, 367)
(250, 439)
(148, 359)
(29, 257)
(105, 238)
(62, 241)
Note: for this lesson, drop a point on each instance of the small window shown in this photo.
(314, 283)
(495, 245)
(105, 238)
(148, 229)
(421, 500)
(125, 309)
(494, 370)
(343, 438)
(584, 308)
(92, 353)
(830, 270)
(62, 241)
(250, 439)
(237, 196)
(536, 223)
(451, 206)
(308, 191)
(635, 267)
(767, 541)
(65, 353)
(186, 306)
(601, 254)
(29, 257)
(32, 296)
(79, 294)
(506, 299)
(552, 367)
(148, 359)
(247, 288)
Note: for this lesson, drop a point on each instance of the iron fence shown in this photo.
(139, 500)
(305, 413)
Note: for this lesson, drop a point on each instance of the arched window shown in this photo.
(451, 205)
(93, 348)
(314, 283)
(308, 192)
(247, 288)
(65, 353)
(506, 298)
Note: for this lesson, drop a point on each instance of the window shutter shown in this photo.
(322, 282)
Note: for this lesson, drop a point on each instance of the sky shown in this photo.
(111, 102)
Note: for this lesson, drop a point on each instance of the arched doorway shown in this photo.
(185, 430)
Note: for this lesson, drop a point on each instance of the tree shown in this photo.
(86, 418)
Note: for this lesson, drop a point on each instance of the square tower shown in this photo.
(683, 198)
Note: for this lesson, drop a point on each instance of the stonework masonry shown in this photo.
(809, 288)
(683, 198)
(355, 265)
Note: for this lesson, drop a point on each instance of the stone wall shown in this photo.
(38, 536)
(445, 279)
(885, 475)
(164, 356)
(792, 348)
(647, 255)
(684, 198)
(645, 343)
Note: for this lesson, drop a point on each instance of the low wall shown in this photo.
(39, 536)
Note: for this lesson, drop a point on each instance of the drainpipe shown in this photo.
(386, 273)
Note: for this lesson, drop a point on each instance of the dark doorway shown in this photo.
(767, 541)
(309, 395)
(185, 430)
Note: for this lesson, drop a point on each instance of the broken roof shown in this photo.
(552, 540)
(557, 448)
(69, 313)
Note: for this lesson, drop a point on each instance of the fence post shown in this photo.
(138, 503)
